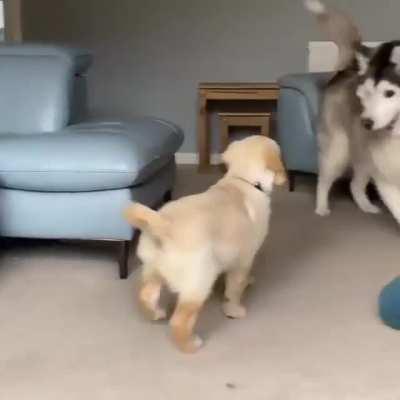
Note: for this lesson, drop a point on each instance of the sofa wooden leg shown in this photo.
(292, 181)
(167, 196)
(123, 260)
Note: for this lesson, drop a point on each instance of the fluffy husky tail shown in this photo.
(148, 220)
(340, 28)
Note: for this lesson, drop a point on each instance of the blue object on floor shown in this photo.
(389, 304)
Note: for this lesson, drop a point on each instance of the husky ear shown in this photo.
(362, 62)
(395, 58)
(363, 57)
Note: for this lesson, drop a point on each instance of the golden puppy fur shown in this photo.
(189, 242)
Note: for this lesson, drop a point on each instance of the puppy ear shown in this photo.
(363, 57)
(395, 58)
(274, 163)
(229, 155)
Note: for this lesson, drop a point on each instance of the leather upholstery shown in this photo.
(298, 110)
(59, 180)
(81, 59)
(89, 156)
(309, 85)
(86, 215)
(35, 94)
(36, 86)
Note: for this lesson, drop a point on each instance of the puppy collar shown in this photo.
(256, 185)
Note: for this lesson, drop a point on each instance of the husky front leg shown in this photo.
(391, 197)
(358, 187)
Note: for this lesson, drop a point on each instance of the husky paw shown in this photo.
(322, 211)
(235, 311)
(370, 209)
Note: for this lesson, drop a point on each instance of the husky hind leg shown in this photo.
(334, 160)
(391, 197)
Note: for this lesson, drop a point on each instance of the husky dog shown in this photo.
(360, 115)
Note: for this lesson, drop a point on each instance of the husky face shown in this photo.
(380, 103)
(379, 88)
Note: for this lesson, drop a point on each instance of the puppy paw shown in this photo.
(191, 346)
(370, 208)
(235, 311)
(251, 280)
(159, 315)
(154, 315)
(322, 211)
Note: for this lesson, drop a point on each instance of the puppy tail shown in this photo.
(147, 220)
(340, 28)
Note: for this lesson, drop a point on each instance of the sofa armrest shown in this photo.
(298, 109)
(310, 85)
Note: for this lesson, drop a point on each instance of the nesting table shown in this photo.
(222, 91)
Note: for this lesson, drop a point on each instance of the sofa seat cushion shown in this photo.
(88, 157)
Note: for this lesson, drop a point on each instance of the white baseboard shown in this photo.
(193, 158)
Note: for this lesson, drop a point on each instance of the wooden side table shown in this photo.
(228, 120)
(221, 92)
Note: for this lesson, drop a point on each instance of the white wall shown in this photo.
(1, 15)
(323, 56)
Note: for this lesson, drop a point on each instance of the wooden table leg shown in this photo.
(265, 127)
(224, 140)
(224, 134)
(203, 134)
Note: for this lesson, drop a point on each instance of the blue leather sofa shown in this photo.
(298, 109)
(61, 177)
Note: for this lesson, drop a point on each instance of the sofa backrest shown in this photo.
(37, 86)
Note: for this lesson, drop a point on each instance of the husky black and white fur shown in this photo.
(360, 116)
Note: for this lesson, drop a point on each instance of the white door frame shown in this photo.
(13, 20)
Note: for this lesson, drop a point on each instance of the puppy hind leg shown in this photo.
(186, 314)
(358, 187)
(149, 294)
(182, 324)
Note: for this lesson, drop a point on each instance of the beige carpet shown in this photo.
(69, 329)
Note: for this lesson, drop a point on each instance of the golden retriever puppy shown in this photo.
(189, 242)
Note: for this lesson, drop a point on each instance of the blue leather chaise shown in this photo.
(298, 109)
(61, 177)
